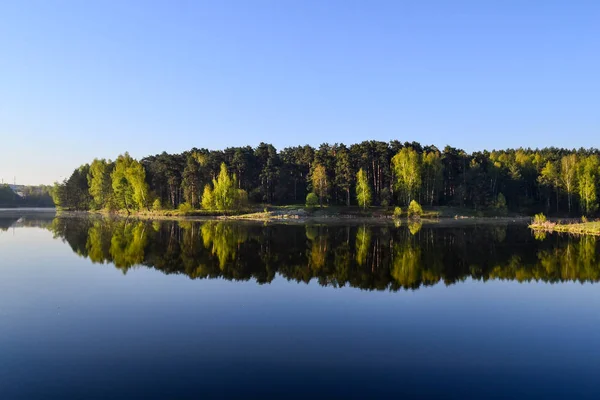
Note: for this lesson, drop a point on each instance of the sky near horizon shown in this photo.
(86, 79)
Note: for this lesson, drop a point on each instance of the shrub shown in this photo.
(156, 206)
(539, 219)
(584, 219)
(312, 200)
(185, 207)
(500, 202)
(414, 209)
(397, 212)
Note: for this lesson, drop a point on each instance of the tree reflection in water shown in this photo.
(366, 257)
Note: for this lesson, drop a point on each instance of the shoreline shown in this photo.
(273, 217)
(575, 228)
(283, 216)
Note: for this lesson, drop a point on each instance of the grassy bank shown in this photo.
(578, 228)
(300, 212)
(583, 228)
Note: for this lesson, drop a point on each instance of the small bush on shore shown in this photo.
(539, 219)
(185, 207)
(415, 209)
(397, 212)
(312, 200)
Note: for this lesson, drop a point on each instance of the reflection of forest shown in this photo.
(374, 258)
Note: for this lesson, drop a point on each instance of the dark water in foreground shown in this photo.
(93, 308)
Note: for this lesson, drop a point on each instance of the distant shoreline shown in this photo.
(26, 210)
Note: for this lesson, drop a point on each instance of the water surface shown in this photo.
(100, 308)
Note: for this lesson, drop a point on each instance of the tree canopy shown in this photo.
(550, 180)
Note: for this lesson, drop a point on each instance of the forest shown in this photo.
(29, 196)
(554, 181)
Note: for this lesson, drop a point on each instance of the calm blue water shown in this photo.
(459, 324)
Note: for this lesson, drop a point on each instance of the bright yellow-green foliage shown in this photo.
(185, 207)
(407, 267)
(414, 226)
(224, 195)
(363, 190)
(589, 170)
(129, 183)
(156, 206)
(100, 184)
(128, 243)
(224, 190)
(319, 182)
(363, 241)
(208, 201)
(397, 212)
(539, 219)
(407, 169)
(568, 176)
(312, 200)
(414, 209)
(317, 255)
(223, 240)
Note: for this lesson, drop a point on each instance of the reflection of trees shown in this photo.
(129, 239)
(363, 241)
(407, 264)
(414, 226)
(317, 254)
(99, 241)
(6, 223)
(223, 240)
(372, 258)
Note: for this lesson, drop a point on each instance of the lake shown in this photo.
(114, 308)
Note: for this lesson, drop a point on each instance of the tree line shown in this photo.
(28, 196)
(371, 173)
(366, 257)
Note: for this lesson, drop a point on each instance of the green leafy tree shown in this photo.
(73, 193)
(588, 171)
(208, 200)
(407, 169)
(319, 182)
(363, 191)
(312, 200)
(100, 183)
(129, 183)
(224, 190)
(414, 209)
(568, 176)
(224, 194)
(363, 241)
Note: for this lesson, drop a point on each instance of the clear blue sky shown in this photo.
(85, 79)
